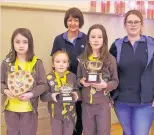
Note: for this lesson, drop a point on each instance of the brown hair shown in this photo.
(104, 53)
(59, 52)
(134, 12)
(26, 33)
(75, 13)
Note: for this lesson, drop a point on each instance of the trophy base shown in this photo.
(93, 78)
(66, 100)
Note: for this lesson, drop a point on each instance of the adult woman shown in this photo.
(135, 94)
(73, 41)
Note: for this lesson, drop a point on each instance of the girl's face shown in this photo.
(20, 44)
(73, 24)
(61, 62)
(96, 39)
(133, 25)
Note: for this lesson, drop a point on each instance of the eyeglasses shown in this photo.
(131, 22)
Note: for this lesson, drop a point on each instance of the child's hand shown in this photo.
(153, 104)
(100, 86)
(26, 96)
(75, 95)
(53, 96)
(83, 82)
(8, 93)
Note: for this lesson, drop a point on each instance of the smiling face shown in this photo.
(61, 62)
(96, 39)
(133, 25)
(21, 44)
(73, 24)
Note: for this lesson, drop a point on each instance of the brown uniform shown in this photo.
(95, 107)
(61, 123)
(23, 123)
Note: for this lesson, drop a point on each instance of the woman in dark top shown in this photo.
(135, 93)
(73, 41)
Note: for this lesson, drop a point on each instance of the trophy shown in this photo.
(19, 82)
(66, 93)
(93, 68)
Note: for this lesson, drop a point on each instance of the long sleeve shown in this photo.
(113, 50)
(3, 77)
(41, 83)
(113, 83)
(79, 74)
(46, 96)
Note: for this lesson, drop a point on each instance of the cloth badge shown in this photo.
(49, 77)
(51, 83)
(82, 46)
(12, 68)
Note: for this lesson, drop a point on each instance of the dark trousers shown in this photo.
(135, 119)
(96, 119)
(79, 119)
(24, 123)
(61, 126)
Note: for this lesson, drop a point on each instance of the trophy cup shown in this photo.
(19, 82)
(93, 68)
(66, 94)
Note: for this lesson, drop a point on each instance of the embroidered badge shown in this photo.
(51, 83)
(71, 108)
(56, 88)
(12, 68)
(7, 60)
(92, 91)
(49, 77)
(82, 46)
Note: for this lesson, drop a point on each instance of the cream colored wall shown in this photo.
(45, 24)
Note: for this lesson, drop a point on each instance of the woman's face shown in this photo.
(20, 44)
(73, 24)
(133, 25)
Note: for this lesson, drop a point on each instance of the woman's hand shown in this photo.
(99, 86)
(75, 95)
(8, 93)
(53, 96)
(153, 104)
(83, 82)
(26, 96)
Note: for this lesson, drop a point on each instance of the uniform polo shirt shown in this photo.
(133, 60)
(74, 48)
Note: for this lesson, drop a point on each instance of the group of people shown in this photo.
(126, 80)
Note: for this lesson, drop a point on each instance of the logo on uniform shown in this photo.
(51, 83)
(82, 46)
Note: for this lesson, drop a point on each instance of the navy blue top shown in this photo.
(133, 60)
(74, 48)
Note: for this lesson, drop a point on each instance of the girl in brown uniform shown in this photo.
(63, 114)
(95, 107)
(21, 111)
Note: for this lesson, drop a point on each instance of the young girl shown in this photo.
(21, 111)
(95, 107)
(63, 115)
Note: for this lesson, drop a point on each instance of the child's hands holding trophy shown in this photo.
(99, 86)
(84, 82)
(54, 96)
